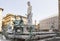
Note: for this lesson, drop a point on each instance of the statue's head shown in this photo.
(28, 3)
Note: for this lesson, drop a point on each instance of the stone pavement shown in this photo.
(2, 38)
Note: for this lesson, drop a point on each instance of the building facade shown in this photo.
(1, 10)
(46, 24)
(9, 18)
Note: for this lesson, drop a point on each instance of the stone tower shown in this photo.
(29, 13)
(1, 10)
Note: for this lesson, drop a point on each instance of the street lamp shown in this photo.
(1, 10)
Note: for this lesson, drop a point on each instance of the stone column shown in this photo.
(1, 10)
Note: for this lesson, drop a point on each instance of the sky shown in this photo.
(41, 9)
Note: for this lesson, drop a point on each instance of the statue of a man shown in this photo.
(52, 28)
(29, 12)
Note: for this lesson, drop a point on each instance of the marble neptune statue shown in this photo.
(29, 13)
